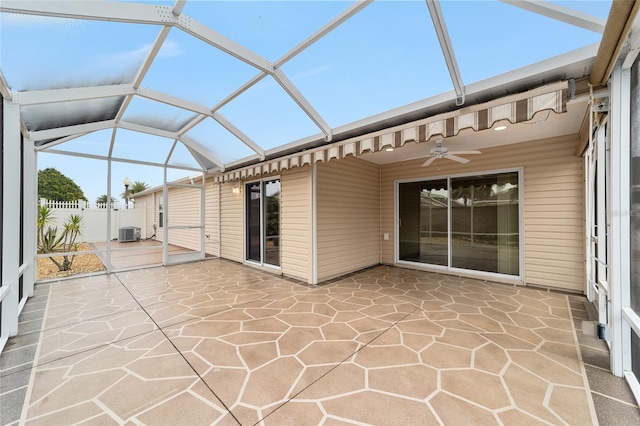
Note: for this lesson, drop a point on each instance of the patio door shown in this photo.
(262, 226)
(467, 222)
(183, 217)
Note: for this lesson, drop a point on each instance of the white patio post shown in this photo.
(10, 219)
(30, 217)
(620, 225)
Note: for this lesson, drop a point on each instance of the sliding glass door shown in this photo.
(262, 213)
(466, 222)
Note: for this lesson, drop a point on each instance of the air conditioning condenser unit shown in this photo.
(129, 233)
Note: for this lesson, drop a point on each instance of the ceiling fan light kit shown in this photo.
(442, 152)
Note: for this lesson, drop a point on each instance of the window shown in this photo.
(262, 213)
(160, 212)
(468, 222)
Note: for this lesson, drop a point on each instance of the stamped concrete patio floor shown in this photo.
(216, 342)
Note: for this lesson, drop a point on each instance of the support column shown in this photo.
(30, 197)
(10, 217)
(619, 215)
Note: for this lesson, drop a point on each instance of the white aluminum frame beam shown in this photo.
(447, 49)
(138, 13)
(121, 160)
(561, 13)
(37, 97)
(62, 132)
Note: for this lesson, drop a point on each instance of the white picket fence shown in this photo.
(94, 217)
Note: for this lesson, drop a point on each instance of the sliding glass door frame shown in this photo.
(448, 268)
(263, 226)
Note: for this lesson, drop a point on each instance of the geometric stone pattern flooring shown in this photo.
(216, 342)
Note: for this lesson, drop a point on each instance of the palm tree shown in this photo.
(102, 200)
(135, 188)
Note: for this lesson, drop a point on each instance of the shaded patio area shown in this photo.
(217, 342)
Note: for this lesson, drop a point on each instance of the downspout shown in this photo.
(621, 17)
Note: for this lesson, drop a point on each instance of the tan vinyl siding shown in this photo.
(295, 223)
(348, 216)
(232, 223)
(211, 218)
(147, 200)
(553, 204)
(183, 209)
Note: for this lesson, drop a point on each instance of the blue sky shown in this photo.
(384, 57)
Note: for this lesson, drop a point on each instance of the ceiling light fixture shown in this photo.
(499, 128)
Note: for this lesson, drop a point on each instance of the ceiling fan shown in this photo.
(441, 152)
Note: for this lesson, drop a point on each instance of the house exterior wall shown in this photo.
(211, 218)
(231, 223)
(553, 210)
(295, 223)
(348, 216)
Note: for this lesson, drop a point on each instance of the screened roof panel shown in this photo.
(132, 145)
(268, 115)
(270, 28)
(157, 115)
(63, 114)
(350, 61)
(212, 138)
(598, 8)
(192, 69)
(507, 37)
(94, 143)
(47, 52)
(181, 156)
(388, 45)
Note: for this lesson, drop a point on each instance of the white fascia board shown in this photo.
(326, 29)
(440, 27)
(295, 94)
(61, 132)
(238, 133)
(173, 101)
(560, 13)
(93, 10)
(241, 162)
(190, 143)
(146, 129)
(36, 97)
(208, 35)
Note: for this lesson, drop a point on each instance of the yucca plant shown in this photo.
(50, 242)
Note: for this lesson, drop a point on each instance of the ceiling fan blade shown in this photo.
(456, 158)
(464, 152)
(429, 161)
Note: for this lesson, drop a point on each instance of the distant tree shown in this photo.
(103, 199)
(134, 188)
(55, 186)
